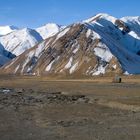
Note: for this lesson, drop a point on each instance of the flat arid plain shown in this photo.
(37, 108)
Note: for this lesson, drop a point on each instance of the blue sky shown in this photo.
(34, 13)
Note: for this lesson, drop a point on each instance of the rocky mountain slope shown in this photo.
(100, 45)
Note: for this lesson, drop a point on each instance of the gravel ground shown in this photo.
(69, 111)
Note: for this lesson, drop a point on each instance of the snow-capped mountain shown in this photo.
(4, 30)
(49, 30)
(100, 45)
(20, 40)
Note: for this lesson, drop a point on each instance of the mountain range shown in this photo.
(99, 45)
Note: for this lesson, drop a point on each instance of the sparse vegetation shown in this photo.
(45, 108)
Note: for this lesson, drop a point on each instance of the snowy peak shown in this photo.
(129, 19)
(29, 33)
(49, 30)
(19, 41)
(7, 29)
(99, 17)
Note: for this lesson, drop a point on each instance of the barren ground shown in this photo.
(37, 108)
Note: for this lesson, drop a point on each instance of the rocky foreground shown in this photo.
(69, 110)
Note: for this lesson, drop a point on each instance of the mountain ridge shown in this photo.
(99, 45)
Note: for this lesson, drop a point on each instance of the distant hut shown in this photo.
(117, 79)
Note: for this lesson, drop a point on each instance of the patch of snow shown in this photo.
(39, 49)
(95, 35)
(73, 68)
(88, 33)
(114, 66)
(61, 70)
(76, 49)
(28, 58)
(62, 33)
(69, 64)
(132, 33)
(33, 74)
(16, 69)
(48, 68)
(100, 70)
(103, 52)
(126, 73)
(88, 70)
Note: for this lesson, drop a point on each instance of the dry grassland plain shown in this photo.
(40, 108)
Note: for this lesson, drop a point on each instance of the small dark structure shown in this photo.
(121, 24)
(117, 79)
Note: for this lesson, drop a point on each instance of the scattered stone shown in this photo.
(69, 123)
(26, 98)
(5, 90)
(19, 90)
